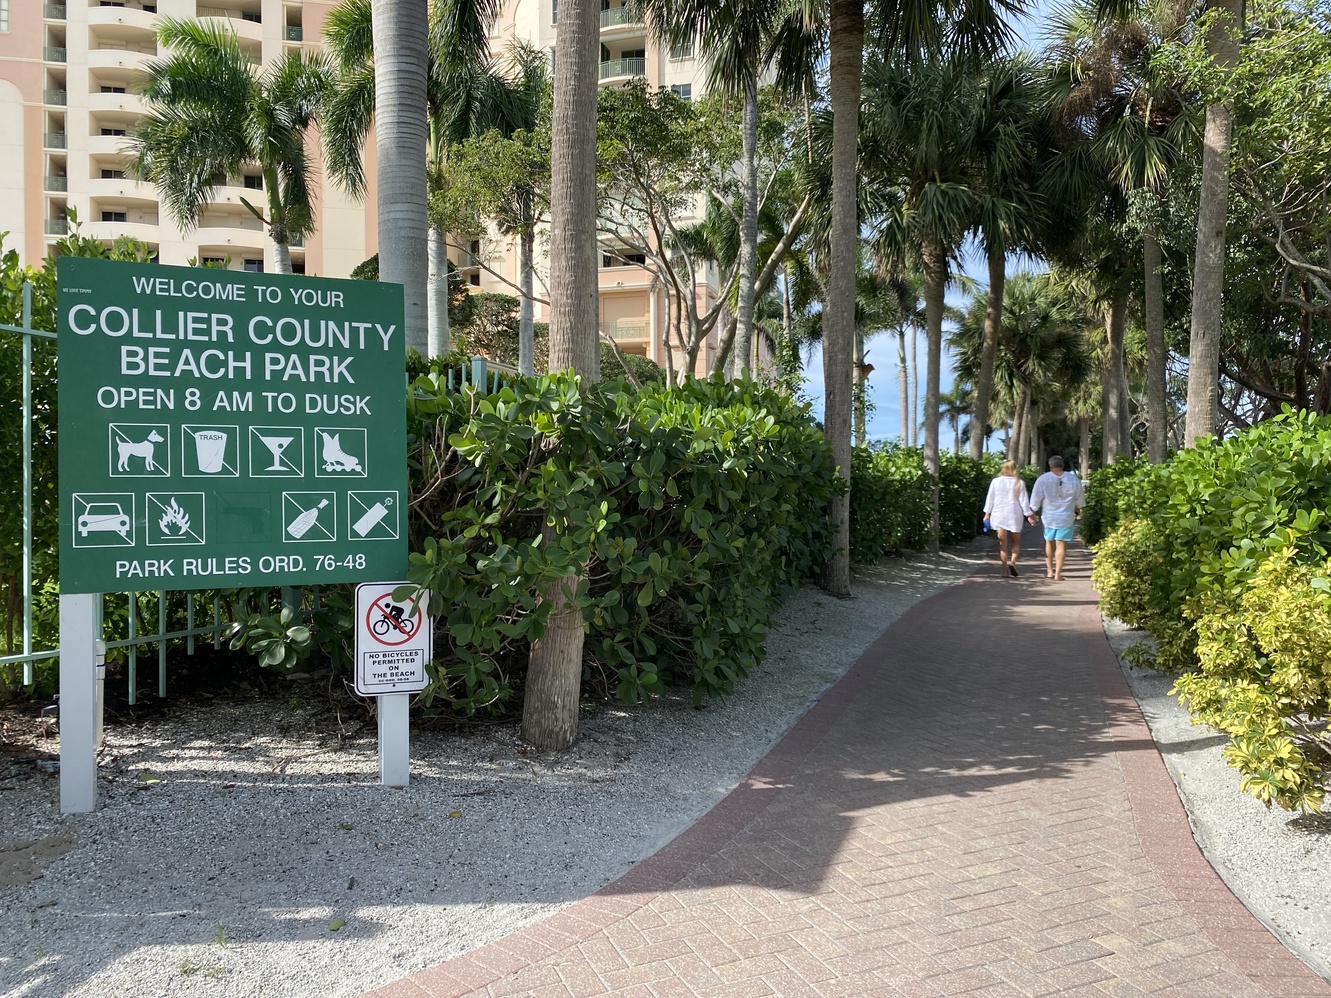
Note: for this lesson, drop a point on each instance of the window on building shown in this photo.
(297, 268)
(113, 216)
(684, 90)
(113, 90)
(113, 174)
(475, 279)
(150, 8)
(253, 182)
(554, 11)
(623, 259)
(113, 131)
(112, 3)
(251, 15)
(253, 266)
(684, 51)
(4, 15)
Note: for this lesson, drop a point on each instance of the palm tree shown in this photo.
(212, 113)
(1137, 123)
(400, 29)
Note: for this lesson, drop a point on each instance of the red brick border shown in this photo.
(1159, 817)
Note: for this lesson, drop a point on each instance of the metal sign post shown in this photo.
(221, 429)
(394, 643)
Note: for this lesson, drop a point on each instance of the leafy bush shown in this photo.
(890, 497)
(1106, 494)
(687, 512)
(1222, 557)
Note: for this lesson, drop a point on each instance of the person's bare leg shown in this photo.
(1014, 549)
(1048, 559)
(1060, 555)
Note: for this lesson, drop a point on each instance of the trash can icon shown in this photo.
(210, 449)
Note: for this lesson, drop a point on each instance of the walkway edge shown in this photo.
(1167, 838)
(712, 831)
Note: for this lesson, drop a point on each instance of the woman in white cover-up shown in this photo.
(1006, 508)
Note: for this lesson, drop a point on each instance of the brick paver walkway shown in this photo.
(976, 809)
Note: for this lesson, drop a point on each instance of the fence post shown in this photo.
(28, 677)
(78, 702)
(478, 373)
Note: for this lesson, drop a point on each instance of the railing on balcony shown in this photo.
(57, 226)
(295, 33)
(623, 67)
(53, 53)
(235, 15)
(618, 15)
(54, 140)
(53, 11)
(56, 97)
(625, 329)
(296, 241)
(58, 184)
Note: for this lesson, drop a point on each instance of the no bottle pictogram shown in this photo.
(391, 623)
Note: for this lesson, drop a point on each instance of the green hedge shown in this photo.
(1222, 555)
(890, 496)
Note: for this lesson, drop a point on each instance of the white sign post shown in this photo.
(394, 642)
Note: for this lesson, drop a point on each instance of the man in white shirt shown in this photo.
(1058, 498)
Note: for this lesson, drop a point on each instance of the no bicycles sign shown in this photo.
(394, 640)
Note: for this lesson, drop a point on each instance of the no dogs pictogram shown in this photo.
(392, 623)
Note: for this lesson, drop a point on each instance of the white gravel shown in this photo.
(267, 862)
(1279, 864)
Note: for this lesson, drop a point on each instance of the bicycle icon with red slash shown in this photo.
(392, 623)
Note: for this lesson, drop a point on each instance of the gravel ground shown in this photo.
(242, 850)
(1277, 863)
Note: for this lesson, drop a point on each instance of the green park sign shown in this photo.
(220, 429)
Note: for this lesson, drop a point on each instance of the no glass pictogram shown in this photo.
(392, 623)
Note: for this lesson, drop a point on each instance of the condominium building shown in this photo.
(67, 107)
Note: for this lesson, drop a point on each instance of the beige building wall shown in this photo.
(70, 68)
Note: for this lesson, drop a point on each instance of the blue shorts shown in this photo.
(1058, 533)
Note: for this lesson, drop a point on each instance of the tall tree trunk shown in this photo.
(845, 64)
(526, 325)
(1157, 402)
(1208, 277)
(748, 233)
(1018, 431)
(554, 670)
(1111, 382)
(903, 377)
(935, 286)
(1084, 428)
(573, 291)
(282, 255)
(993, 323)
(858, 388)
(914, 389)
(401, 131)
(439, 337)
(787, 366)
(956, 433)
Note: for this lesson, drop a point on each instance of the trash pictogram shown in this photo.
(209, 451)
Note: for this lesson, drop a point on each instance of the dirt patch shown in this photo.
(23, 862)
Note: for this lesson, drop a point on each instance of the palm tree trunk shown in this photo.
(993, 321)
(858, 389)
(573, 291)
(1157, 357)
(903, 376)
(1014, 445)
(437, 289)
(277, 225)
(554, 669)
(956, 433)
(845, 64)
(1084, 428)
(786, 366)
(748, 232)
(401, 131)
(526, 324)
(1208, 275)
(914, 389)
(935, 285)
(282, 254)
(1111, 384)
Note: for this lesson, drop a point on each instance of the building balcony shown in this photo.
(614, 70)
(237, 233)
(109, 145)
(127, 102)
(619, 22)
(122, 24)
(54, 53)
(57, 226)
(293, 33)
(55, 98)
(53, 140)
(55, 185)
(147, 232)
(120, 58)
(626, 329)
(53, 11)
(235, 19)
(122, 190)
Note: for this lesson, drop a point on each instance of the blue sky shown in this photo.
(884, 394)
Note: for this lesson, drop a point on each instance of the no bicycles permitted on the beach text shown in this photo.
(232, 429)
